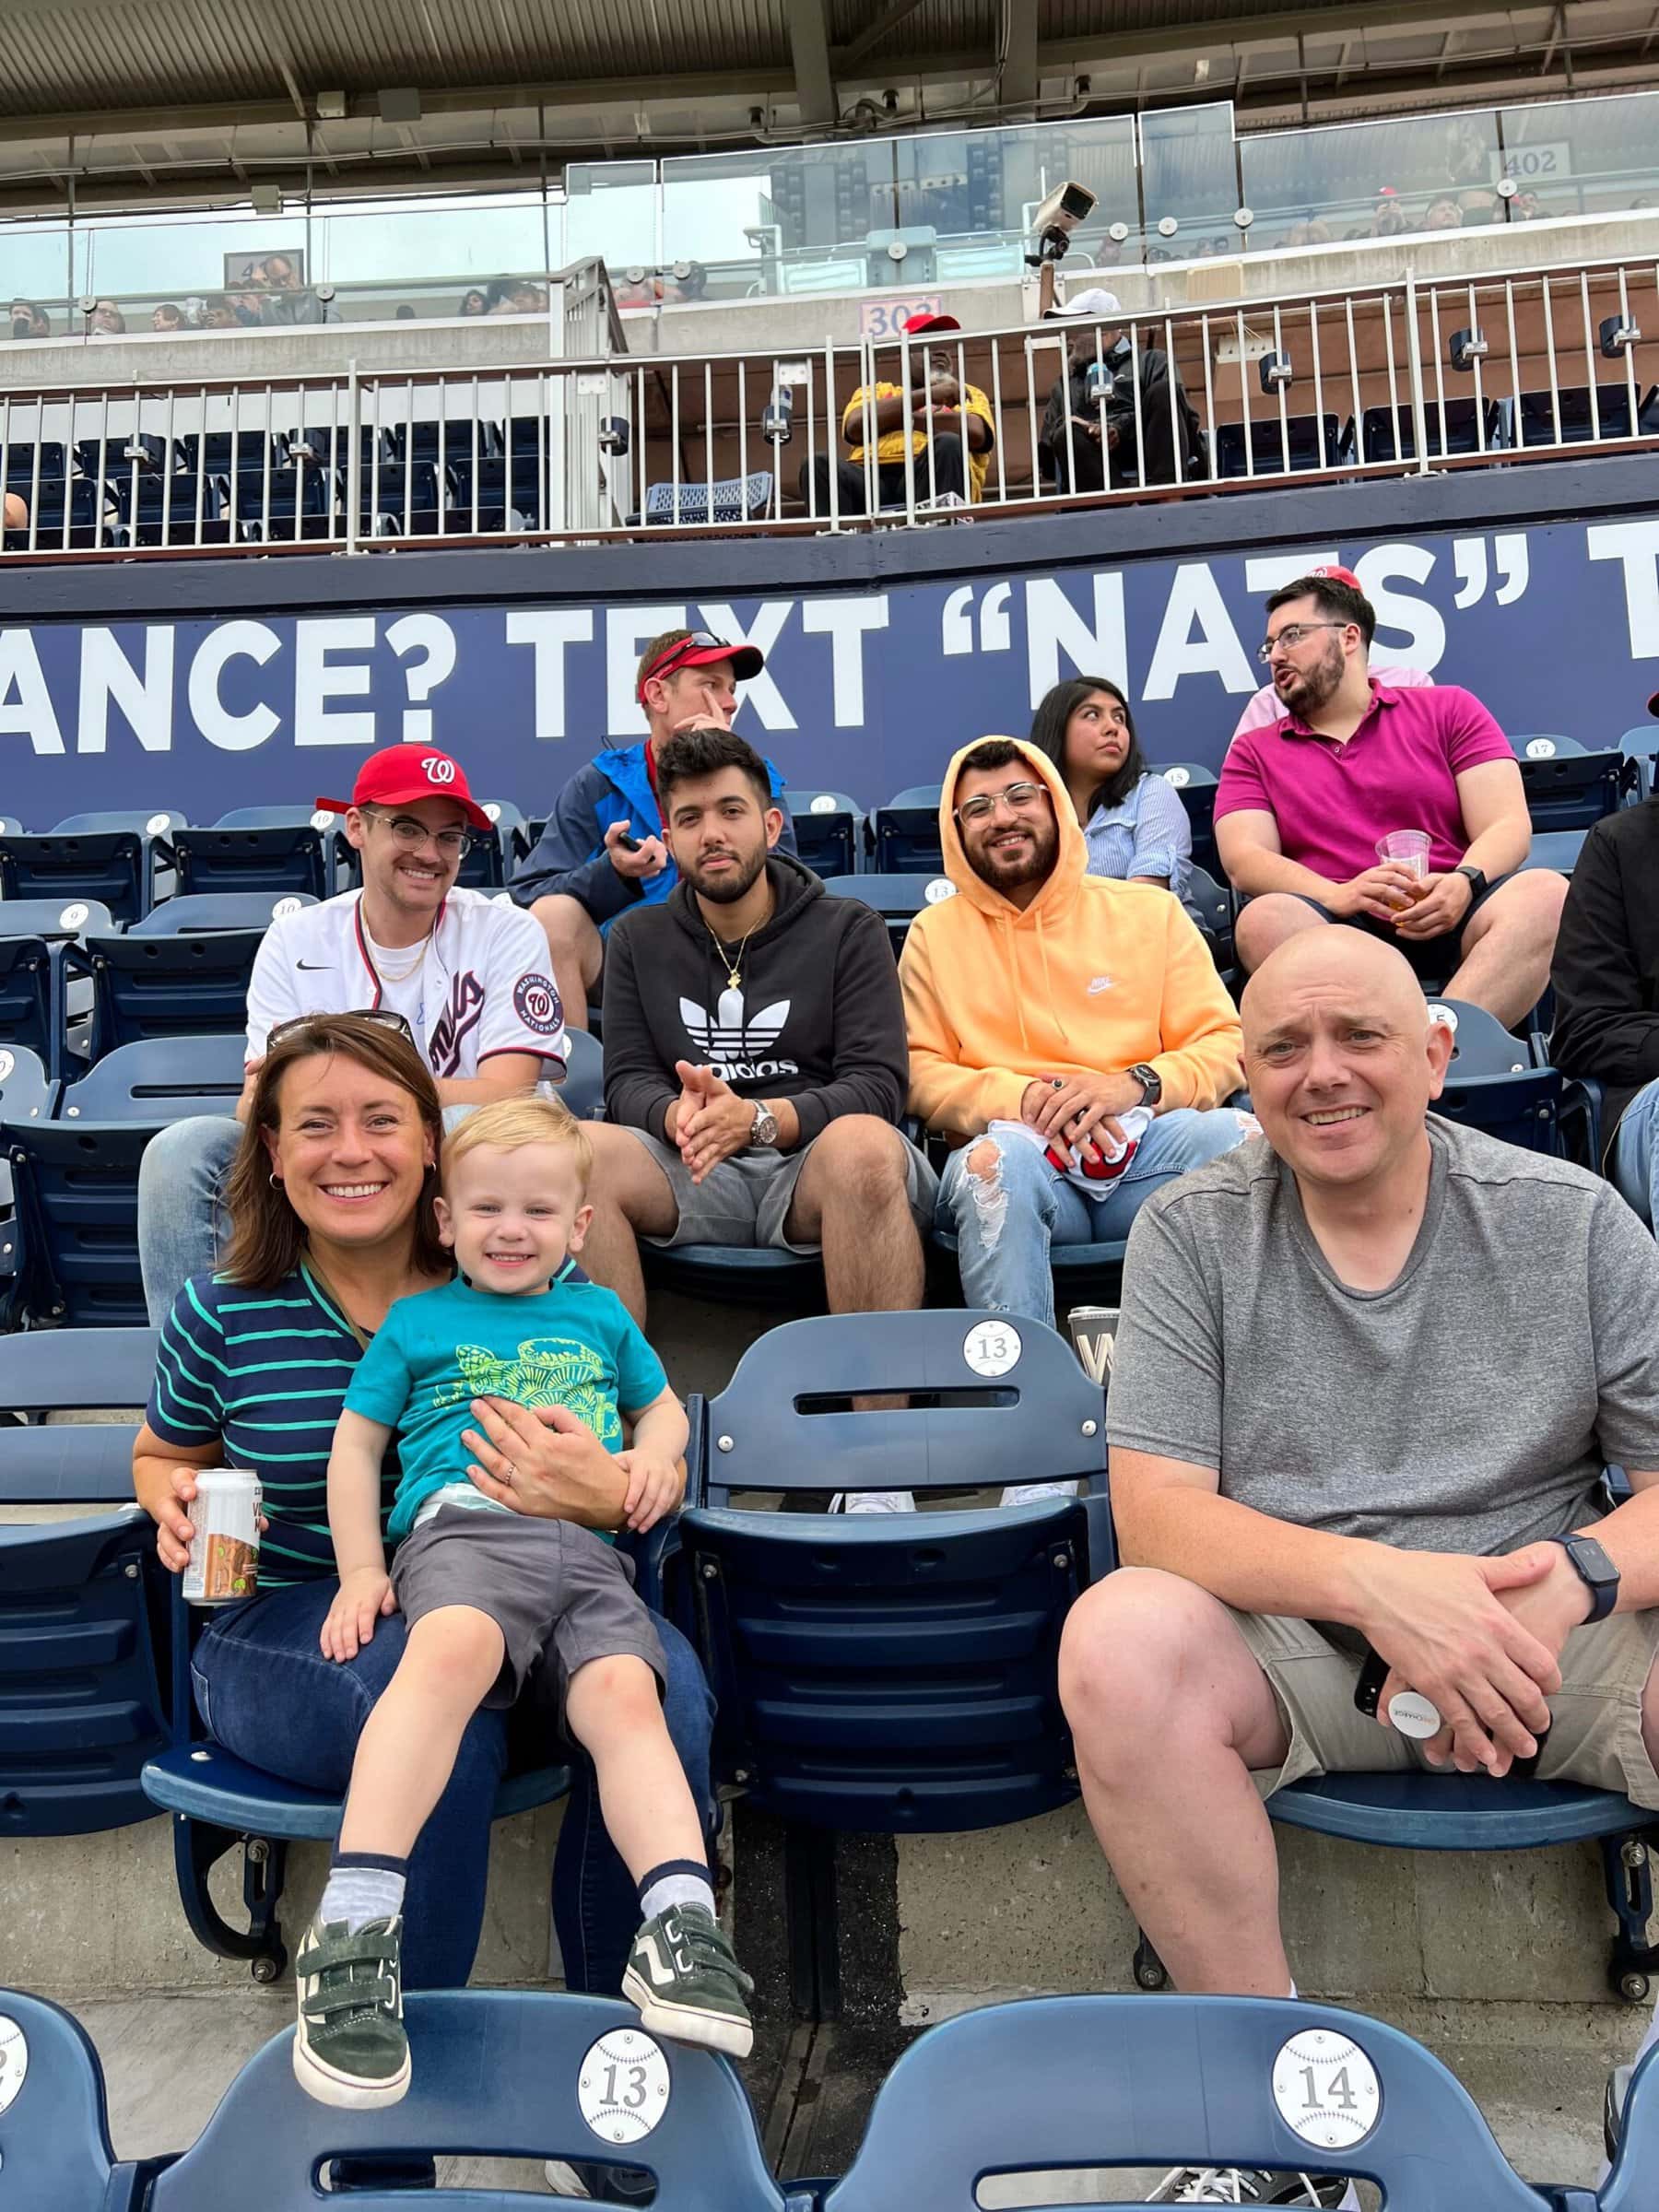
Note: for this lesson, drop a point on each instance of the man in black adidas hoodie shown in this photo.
(756, 1064)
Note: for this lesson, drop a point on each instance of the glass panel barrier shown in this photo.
(1189, 180)
(35, 270)
(1582, 157)
(1371, 180)
(414, 252)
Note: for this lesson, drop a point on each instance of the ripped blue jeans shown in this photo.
(1004, 1222)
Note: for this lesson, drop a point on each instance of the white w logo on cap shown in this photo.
(438, 768)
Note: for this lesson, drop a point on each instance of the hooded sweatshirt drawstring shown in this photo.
(1092, 975)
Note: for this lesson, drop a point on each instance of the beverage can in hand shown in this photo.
(1094, 1339)
(224, 1551)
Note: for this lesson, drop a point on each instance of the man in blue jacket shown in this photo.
(602, 851)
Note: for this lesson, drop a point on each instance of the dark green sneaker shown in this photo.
(685, 1982)
(350, 2048)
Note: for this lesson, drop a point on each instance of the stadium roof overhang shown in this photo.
(189, 99)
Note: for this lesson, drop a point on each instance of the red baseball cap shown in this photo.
(1337, 575)
(401, 774)
(700, 649)
(916, 325)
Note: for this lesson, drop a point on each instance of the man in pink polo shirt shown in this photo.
(1302, 804)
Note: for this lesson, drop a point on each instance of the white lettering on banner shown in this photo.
(1469, 562)
(956, 620)
(846, 620)
(1513, 563)
(1195, 597)
(1422, 625)
(1636, 544)
(547, 630)
(107, 679)
(231, 732)
(29, 713)
(1264, 572)
(758, 691)
(1053, 626)
(432, 637)
(316, 682)
(627, 628)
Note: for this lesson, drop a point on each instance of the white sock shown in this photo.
(358, 1894)
(679, 1883)
(1293, 1989)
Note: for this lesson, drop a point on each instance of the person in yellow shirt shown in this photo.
(944, 423)
(1071, 1028)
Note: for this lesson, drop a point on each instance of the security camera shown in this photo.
(1058, 216)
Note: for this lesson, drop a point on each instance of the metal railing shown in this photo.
(1387, 380)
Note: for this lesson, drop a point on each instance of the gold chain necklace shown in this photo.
(733, 967)
(402, 975)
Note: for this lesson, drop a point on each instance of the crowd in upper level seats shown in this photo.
(1370, 1365)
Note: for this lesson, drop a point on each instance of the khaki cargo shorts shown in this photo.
(1595, 1725)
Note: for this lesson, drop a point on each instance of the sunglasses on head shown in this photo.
(669, 659)
(384, 1018)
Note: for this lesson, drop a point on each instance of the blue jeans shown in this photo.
(181, 1178)
(1003, 1228)
(1634, 1161)
(267, 1694)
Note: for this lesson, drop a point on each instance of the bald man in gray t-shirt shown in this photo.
(1370, 1369)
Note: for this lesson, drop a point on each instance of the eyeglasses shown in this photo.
(669, 659)
(384, 1018)
(1019, 798)
(1291, 636)
(454, 845)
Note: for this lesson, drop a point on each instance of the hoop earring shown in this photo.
(275, 1180)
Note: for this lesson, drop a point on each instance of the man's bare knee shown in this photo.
(1264, 925)
(984, 1163)
(567, 925)
(1126, 1657)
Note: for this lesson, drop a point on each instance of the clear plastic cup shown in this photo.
(1407, 849)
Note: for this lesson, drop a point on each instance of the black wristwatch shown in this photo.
(1596, 1572)
(1151, 1081)
(1476, 881)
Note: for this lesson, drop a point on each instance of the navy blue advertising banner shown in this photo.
(1555, 626)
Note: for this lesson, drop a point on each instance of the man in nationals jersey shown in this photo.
(468, 973)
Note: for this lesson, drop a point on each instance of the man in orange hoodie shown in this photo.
(1072, 1026)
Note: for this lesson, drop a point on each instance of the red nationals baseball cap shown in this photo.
(402, 773)
(1338, 576)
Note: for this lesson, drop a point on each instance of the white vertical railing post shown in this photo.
(353, 454)
(1414, 369)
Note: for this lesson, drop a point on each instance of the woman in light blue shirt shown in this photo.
(1134, 824)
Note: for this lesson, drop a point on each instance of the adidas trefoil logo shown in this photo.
(732, 1040)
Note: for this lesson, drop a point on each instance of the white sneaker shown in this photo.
(1241, 2185)
(872, 1501)
(1028, 1493)
(564, 2180)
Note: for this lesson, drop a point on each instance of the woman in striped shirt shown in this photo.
(330, 1205)
(1134, 824)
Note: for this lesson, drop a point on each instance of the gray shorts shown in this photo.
(745, 1200)
(555, 1591)
(1595, 1719)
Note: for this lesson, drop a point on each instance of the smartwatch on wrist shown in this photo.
(763, 1129)
(1475, 879)
(1151, 1081)
(1596, 1571)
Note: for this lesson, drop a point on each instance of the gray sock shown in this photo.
(358, 1894)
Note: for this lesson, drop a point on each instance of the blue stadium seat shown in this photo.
(407, 499)
(181, 982)
(1196, 787)
(82, 1684)
(1390, 434)
(113, 857)
(1568, 787)
(220, 1804)
(77, 515)
(1210, 904)
(1181, 2081)
(452, 442)
(37, 937)
(26, 1095)
(1556, 848)
(286, 850)
(229, 453)
(54, 2127)
(1493, 1084)
(1306, 441)
(737, 1274)
(492, 859)
(896, 898)
(497, 2072)
(902, 838)
(23, 463)
(291, 504)
(826, 825)
(117, 457)
(176, 510)
(1082, 1273)
(730, 500)
(191, 913)
(1640, 750)
(328, 445)
(10, 826)
(582, 1090)
(888, 1671)
(1538, 423)
(1472, 1812)
(76, 1177)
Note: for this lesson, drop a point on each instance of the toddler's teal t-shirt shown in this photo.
(573, 1345)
